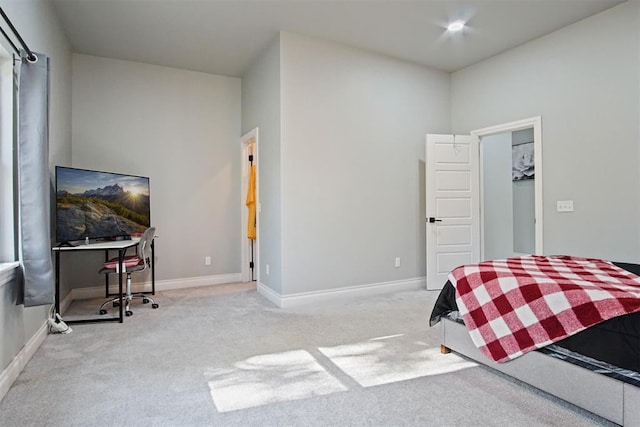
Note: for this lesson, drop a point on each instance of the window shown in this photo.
(7, 204)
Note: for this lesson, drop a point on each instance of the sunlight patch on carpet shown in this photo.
(398, 358)
(270, 378)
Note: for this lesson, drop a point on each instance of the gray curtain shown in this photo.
(32, 80)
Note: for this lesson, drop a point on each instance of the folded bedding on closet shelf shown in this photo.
(515, 305)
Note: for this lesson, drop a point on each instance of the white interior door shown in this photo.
(453, 212)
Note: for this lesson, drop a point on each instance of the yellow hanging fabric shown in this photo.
(251, 204)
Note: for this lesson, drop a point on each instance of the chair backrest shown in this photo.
(144, 245)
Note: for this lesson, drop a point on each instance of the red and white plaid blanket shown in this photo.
(515, 305)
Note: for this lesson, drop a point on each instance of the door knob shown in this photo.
(432, 219)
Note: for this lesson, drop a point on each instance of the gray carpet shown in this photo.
(226, 356)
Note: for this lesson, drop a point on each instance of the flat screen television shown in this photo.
(100, 205)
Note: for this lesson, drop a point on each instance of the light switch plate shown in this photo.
(564, 205)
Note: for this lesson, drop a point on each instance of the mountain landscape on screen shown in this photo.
(99, 204)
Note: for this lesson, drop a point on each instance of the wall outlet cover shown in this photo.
(564, 206)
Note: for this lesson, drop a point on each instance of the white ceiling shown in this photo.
(224, 36)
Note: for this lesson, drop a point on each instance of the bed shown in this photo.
(597, 368)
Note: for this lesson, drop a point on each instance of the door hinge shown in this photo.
(251, 157)
(251, 264)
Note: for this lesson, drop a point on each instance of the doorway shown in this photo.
(511, 189)
(250, 255)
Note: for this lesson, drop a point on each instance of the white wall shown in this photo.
(584, 82)
(38, 25)
(181, 129)
(497, 196)
(261, 109)
(353, 132)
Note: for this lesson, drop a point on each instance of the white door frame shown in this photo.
(245, 140)
(536, 124)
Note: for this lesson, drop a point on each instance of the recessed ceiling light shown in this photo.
(455, 26)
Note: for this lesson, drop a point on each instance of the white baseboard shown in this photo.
(66, 302)
(269, 293)
(11, 372)
(161, 285)
(302, 298)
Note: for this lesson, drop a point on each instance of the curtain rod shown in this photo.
(30, 56)
(6, 36)
(522, 143)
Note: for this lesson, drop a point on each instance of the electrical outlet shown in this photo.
(266, 269)
(207, 260)
(398, 262)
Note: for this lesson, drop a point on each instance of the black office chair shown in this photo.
(132, 264)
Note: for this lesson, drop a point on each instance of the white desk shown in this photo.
(107, 245)
(121, 246)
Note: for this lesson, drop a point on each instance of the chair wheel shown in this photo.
(116, 304)
(128, 313)
(154, 305)
(103, 311)
(145, 300)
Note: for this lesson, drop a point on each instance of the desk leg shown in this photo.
(106, 276)
(153, 268)
(57, 299)
(120, 263)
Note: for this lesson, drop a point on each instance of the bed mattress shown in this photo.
(615, 341)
